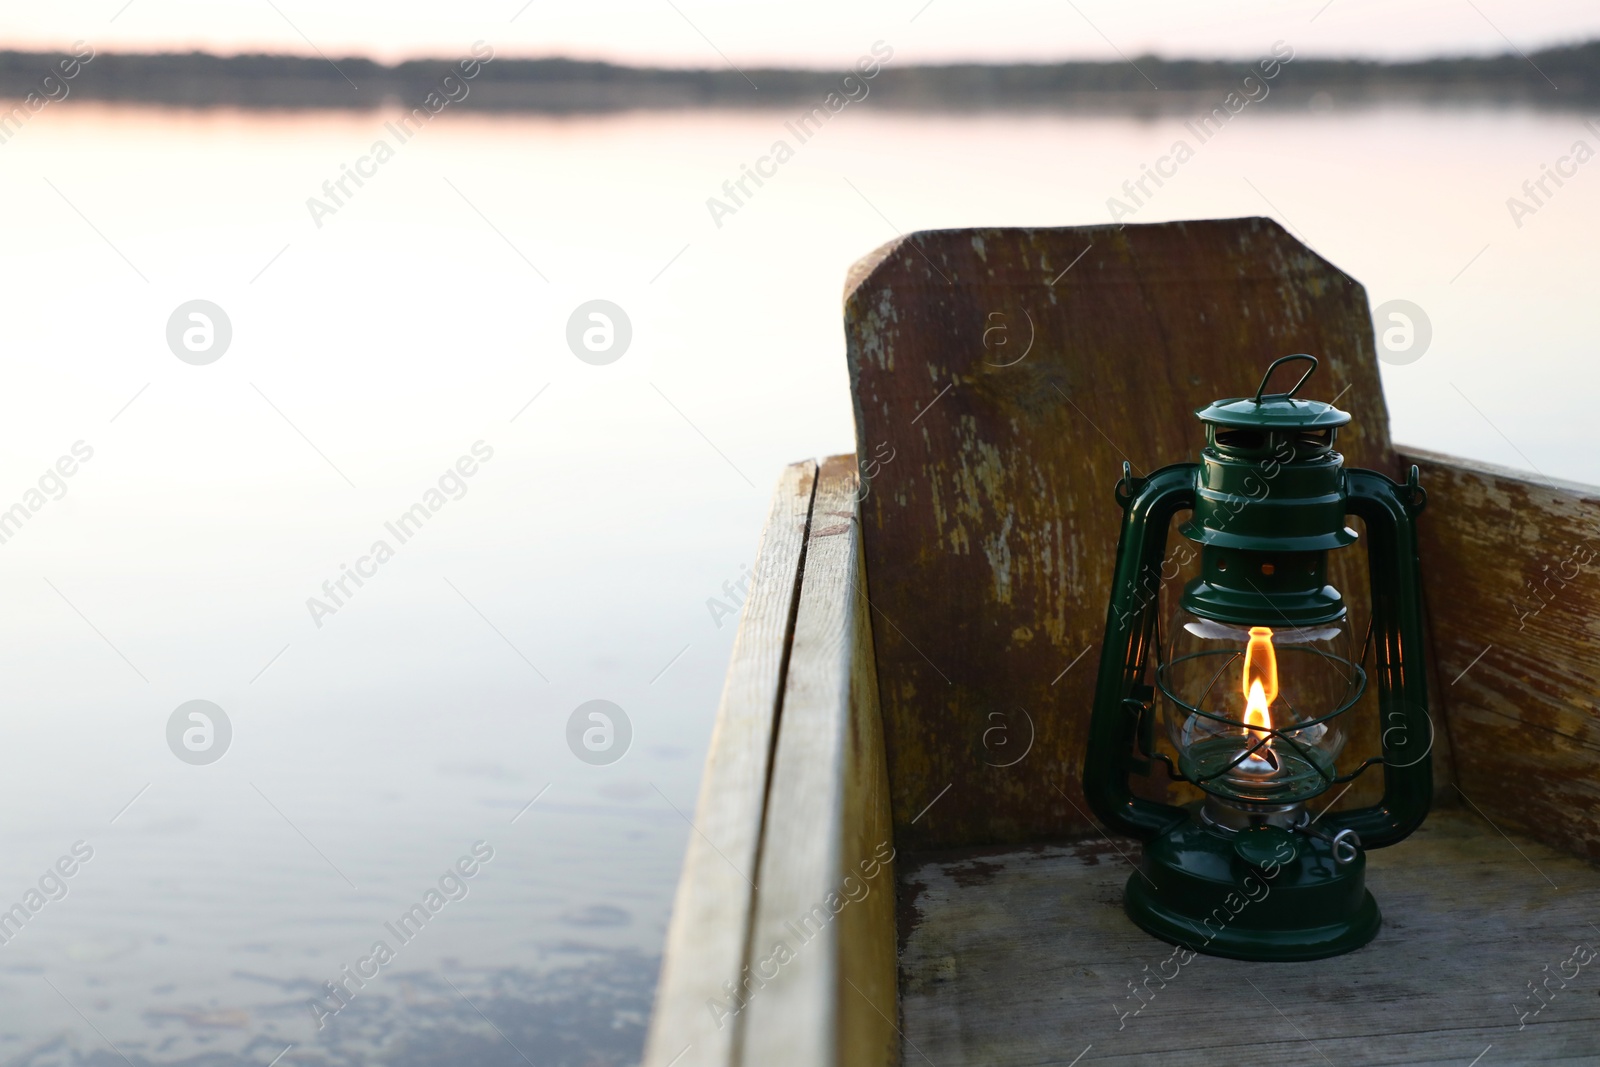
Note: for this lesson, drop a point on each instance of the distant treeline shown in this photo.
(558, 86)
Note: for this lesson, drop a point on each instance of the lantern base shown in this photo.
(1266, 893)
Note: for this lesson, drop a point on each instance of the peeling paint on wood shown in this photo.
(1513, 588)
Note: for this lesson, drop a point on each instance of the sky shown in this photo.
(811, 33)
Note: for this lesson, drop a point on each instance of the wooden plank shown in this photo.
(1025, 957)
(707, 939)
(1001, 377)
(822, 946)
(1514, 600)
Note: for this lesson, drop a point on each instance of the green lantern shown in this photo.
(1248, 680)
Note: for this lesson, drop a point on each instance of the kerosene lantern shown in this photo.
(1250, 676)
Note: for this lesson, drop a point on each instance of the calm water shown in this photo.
(372, 752)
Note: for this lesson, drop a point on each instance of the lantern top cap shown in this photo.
(1267, 411)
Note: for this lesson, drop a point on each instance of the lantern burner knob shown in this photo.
(1346, 843)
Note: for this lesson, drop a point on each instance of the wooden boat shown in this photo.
(893, 861)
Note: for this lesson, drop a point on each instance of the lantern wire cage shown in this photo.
(1220, 749)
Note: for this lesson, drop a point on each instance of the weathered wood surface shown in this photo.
(822, 945)
(1001, 377)
(1025, 957)
(1512, 569)
(794, 801)
(708, 937)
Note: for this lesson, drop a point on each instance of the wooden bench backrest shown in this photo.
(1001, 377)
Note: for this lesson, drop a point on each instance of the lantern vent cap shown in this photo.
(1270, 411)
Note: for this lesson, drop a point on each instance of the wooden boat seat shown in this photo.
(892, 859)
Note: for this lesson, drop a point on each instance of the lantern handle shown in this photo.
(1262, 394)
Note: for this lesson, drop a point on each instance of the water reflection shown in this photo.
(586, 1007)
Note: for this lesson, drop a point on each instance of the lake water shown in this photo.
(411, 722)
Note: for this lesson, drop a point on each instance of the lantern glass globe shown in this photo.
(1254, 710)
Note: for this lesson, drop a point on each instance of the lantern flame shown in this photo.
(1255, 711)
(1259, 684)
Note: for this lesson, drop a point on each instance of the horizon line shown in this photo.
(1574, 45)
